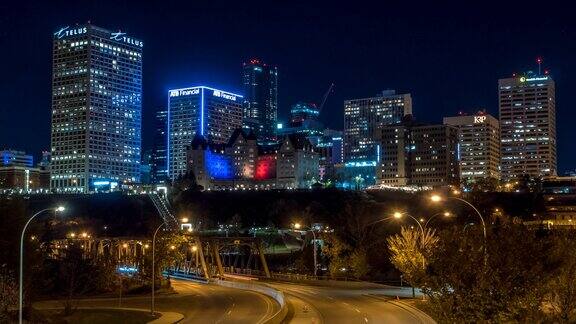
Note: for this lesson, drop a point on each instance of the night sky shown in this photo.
(449, 57)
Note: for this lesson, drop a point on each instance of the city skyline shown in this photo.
(447, 83)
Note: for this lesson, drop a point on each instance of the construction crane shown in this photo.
(325, 97)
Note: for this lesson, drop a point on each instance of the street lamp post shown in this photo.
(21, 279)
(437, 198)
(446, 214)
(154, 266)
(399, 215)
(298, 226)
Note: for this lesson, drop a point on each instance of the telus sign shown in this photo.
(119, 36)
(66, 31)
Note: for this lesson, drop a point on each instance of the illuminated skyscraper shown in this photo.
(96, 108)
(159, 153)
(528, 125)
(479, 145)
(213, 113)
(362, 117)
(260, 99)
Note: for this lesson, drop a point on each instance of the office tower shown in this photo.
(96, 108)
(260, 82)
(527, 126)
(418, 155)
(159, 152)
(213, 113)
(479, 145)
(362, 117)
(16, 158)
(303, 120)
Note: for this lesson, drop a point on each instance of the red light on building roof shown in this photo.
(546, 72)
(539, 60)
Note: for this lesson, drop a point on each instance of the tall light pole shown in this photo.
(21, 281)
(298, 226)
(399, 215)
(154, 266)
(437, 198)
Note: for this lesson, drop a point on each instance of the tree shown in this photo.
(410, 252)
(562, 287)
(337, 252)
(75, 275)
(510, 288)
(8, 294)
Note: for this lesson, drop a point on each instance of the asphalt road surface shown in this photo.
(199, 303)
(356, 304)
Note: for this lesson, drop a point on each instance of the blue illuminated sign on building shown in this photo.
(66, 31)
(119, 36)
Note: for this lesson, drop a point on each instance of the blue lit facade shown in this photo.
(219, 166)
(16, 158)
(96, 108)
(210, 112)
(303, 120)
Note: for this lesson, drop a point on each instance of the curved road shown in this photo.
(353, 304)
(199, 303)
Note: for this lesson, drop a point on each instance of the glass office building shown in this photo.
(159, 153)
(261, 99)
(96, 108)
(213, 113)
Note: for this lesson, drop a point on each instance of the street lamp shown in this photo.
(57, 209)
(445, 214)
(438, 198)
(399, 215)
(298, 226)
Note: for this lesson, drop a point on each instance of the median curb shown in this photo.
(275, 294)
(165, 317)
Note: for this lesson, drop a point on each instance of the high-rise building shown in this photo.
(260, 82)
(479, 145)
(362, 117)
(418, 155)
(303, 120)
(96, 108)
(16, 158)
(362, 120)
(527, 126)
(159, 152)
(213, 113)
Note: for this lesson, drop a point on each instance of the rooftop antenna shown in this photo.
(539, 61)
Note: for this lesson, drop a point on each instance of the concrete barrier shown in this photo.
(277, 295)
